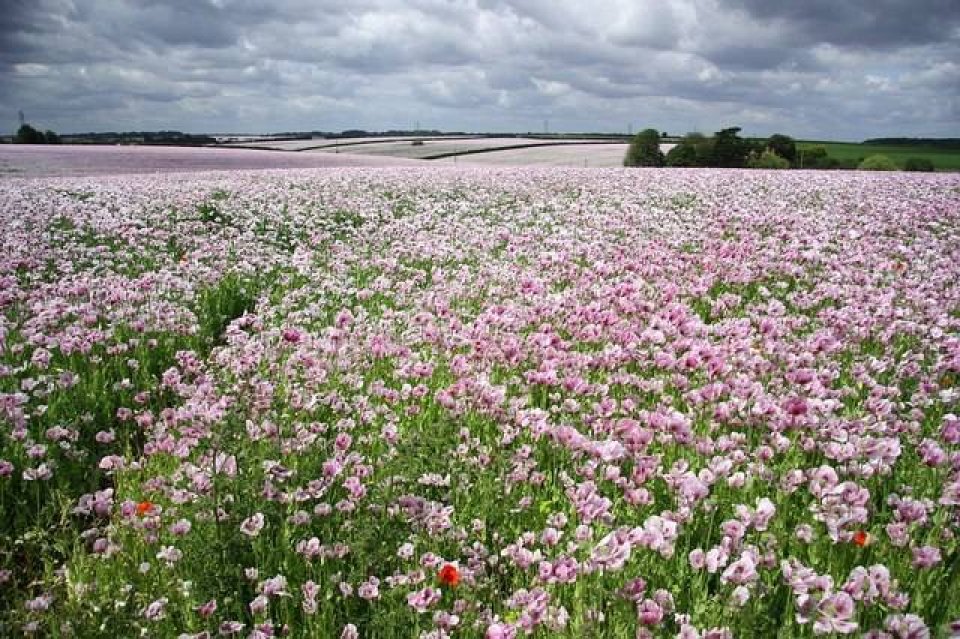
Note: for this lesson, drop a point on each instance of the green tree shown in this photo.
(695, 149)
(813, 157)
(682, 155)
(784, 146)
(51, 137)
(644, 150)
(729, 149)
(29, 135)
(877, 162)
(918, 164)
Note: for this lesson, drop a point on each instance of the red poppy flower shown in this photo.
(861, 538)
(144, 507)
(449, 575)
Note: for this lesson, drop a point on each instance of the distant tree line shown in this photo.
(726, 149)
(140, 137)
(936, 143)
(360, 133)
(29, 135)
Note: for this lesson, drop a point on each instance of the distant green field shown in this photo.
(943, 159)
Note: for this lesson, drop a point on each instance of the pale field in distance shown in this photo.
(403, 147)
(406, 149)
(300, 145)
(21, 160)
(595, 155)
(588, 155)
(277, 145)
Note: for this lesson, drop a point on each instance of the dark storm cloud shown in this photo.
(879, 24)
(24, 26)
(817, 69)
(18, 16)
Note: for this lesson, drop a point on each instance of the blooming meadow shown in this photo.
(480, 403)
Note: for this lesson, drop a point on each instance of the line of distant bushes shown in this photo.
(726, 149)
(947, 144)
(27, 134)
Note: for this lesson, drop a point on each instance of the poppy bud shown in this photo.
(861, 538)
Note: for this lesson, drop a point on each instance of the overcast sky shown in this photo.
(830, 69)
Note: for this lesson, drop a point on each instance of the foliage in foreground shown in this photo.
(490, 403)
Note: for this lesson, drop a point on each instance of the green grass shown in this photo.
(854, 152)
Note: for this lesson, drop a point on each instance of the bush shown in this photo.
(767, 160)
(644, 150)
(695, 149)
(682, 155)
(877, 163)
(784, 146)
(918, 164)
(813, 158)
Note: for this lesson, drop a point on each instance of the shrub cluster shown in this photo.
(768, 159)
(918, 164)
(877, 162)
(726, 149)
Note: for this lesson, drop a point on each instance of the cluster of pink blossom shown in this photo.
(481, 403)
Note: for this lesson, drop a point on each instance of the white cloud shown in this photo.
(550, 87)
(28, 69)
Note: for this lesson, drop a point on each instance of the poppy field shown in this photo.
(480, 403)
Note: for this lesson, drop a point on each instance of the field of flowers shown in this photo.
(480, 403)
(568, 155)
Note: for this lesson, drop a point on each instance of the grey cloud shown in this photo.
(159, 25)
(746, 57)
(882, 24)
